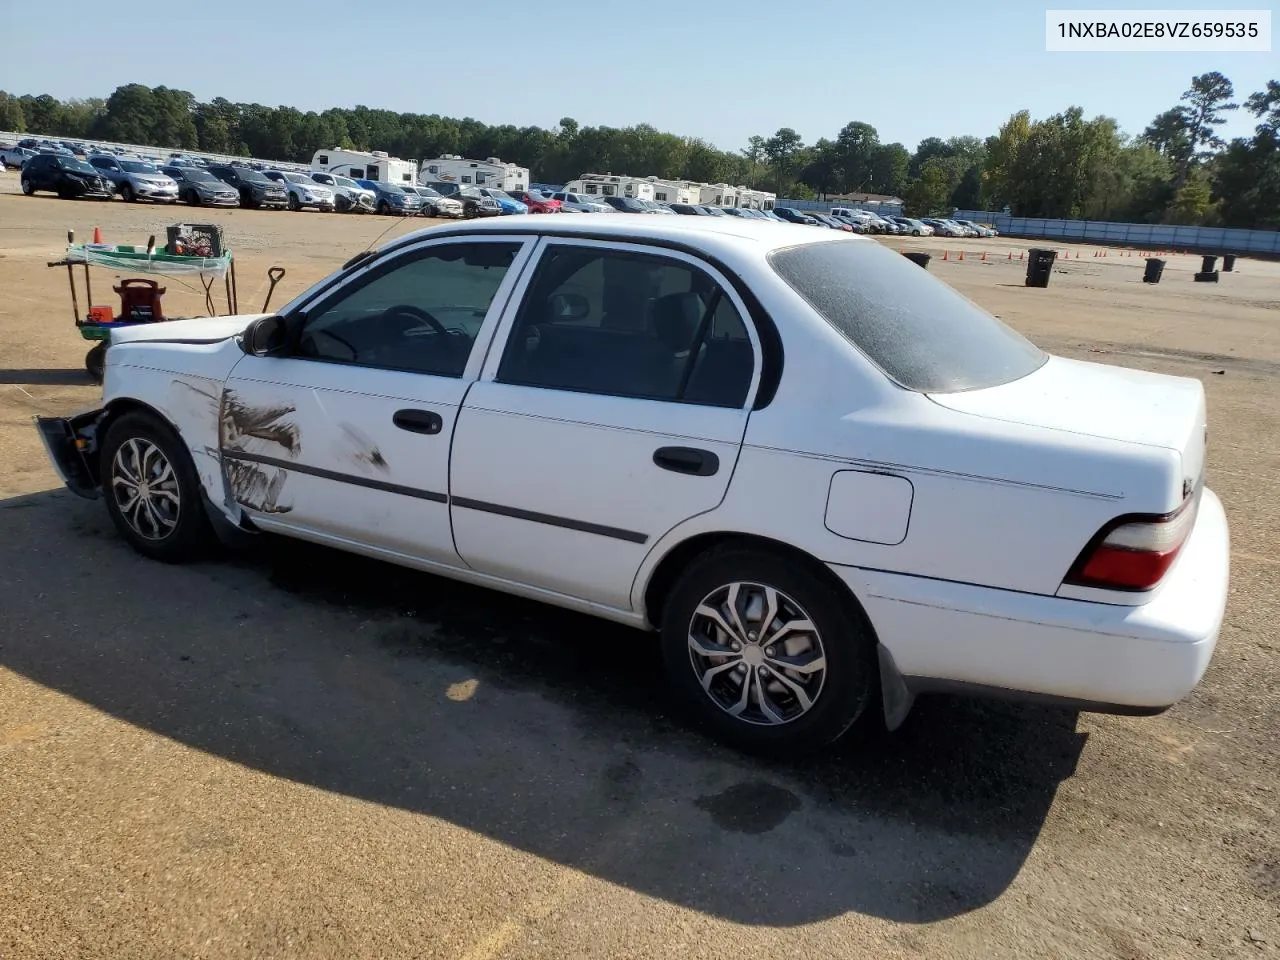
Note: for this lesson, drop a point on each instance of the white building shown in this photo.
(492, 173)
(365, 166)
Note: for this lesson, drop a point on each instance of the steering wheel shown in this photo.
(416, 313)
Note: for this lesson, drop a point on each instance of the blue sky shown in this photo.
(718, 69)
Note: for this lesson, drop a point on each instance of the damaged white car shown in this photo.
(825, 479)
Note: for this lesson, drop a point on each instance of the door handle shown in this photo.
(418, 421)
(696, 463)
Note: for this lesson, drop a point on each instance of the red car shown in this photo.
(537, 203)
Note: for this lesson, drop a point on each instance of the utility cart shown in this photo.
(192, 251)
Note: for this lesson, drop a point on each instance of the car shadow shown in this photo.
(45, 376)
(544, 730)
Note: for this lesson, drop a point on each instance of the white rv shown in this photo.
(719, 195)
(608, 185)
(492, 173)
(756, 199)
(674, 191)
(365, 166)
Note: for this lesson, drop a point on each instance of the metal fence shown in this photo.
(1151, 235)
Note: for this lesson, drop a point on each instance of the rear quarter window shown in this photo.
(919, 331)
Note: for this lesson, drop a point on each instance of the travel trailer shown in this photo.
(608, 185)
(492, 173)
(357, 165)
(674, 191)
(718, 195)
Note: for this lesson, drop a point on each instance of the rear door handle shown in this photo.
(418, 421)
(696, 463)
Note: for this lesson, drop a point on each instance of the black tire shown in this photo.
(95, 361)
(191, 535)
(28, 187)
(383, 210)
(193, 198)
(294, 205)
(845, 639)
(127, 194)
(470, 211)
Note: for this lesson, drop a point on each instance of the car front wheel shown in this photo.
(126, 192)
(28, 187)
(151, 490)
(766, 652)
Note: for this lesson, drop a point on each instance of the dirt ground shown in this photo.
(295, 753)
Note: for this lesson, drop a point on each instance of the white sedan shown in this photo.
(827, 481)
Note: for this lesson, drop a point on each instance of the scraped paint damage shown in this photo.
(256, 486)
(238, 421)
(360, 448)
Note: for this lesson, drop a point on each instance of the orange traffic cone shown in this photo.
(984, 255)
(1022, 255)
(945, 255)
(97, 234)
(1010, 254)
(961, 257)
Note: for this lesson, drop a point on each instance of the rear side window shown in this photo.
(923, 334)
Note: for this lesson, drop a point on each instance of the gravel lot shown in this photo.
(296, 753)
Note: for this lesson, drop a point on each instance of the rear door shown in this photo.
(611, 408)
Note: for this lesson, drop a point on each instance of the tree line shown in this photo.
(1178, 170)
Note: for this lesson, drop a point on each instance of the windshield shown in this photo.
(917, 329)
(70, 163)
(428, 192)
(499, 194)
(251, 176)
(137, 166)
(197, 175)
(347, 182)
(298, 178)
(389, 187)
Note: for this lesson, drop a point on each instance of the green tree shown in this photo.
(1002, 152)
(822, 171)
(930, 192)
(889, 169)
(12, 117)
(782, 151)
(854, 155)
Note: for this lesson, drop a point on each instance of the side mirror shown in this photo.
(265, 337)
(569, 306)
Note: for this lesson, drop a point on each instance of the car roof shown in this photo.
(720, 233)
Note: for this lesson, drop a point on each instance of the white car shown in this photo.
(303, 191)
(824, 478)
(348, 196)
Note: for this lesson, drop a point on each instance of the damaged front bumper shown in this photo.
(71, 443)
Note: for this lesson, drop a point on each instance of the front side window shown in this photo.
(628, 325)
(422, 314)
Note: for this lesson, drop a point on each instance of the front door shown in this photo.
(346, 438)
(614, 412)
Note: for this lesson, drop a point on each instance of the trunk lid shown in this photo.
(1099, 400)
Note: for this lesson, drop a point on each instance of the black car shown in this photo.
(792, 215)
(256, 191)
(625, 204)
(65, 175)
(689, 209)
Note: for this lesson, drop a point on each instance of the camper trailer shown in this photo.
(674, 191)
(608, 185)
(492, 173)
(756, 199)
(357, 165)
(719, 195)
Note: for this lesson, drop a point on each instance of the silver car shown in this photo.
(198, 187)
(303, 191)
(348, 196)
(137, 179)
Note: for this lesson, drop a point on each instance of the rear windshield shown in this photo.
(916, 328)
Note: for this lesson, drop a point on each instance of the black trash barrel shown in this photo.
(917, 257)
(1206, 276)
(1228, 262)
(1154, 269)
(1207, 264)
(1040, 266)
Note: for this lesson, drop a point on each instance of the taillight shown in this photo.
(1133, 552)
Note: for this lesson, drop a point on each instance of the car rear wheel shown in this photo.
(765, 652)
(28, 187)
(151, 490)
(192, 197)
(383, 210)
(95, 361)
(294, 205)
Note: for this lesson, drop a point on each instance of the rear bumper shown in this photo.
(70, 460)
(941, 635)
